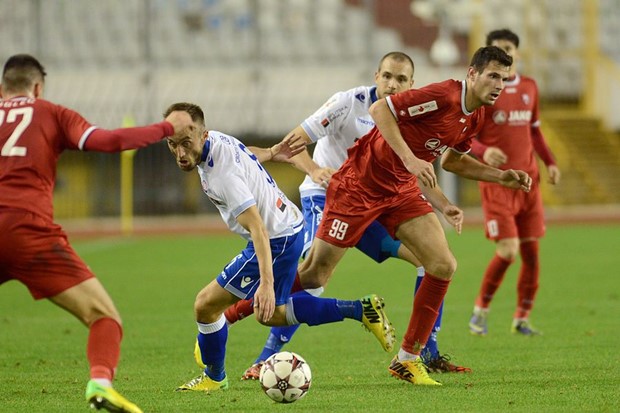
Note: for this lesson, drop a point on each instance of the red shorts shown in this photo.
(36, 253)
(350, 206)
(510, 213)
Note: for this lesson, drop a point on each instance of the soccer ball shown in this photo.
(285, 377)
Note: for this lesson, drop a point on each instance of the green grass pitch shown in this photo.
(153, 280)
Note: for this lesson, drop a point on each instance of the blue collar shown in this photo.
(373, 94)
(205, 150)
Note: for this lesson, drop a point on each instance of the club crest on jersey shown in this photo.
(325, 122)
(423, 108)
(526, 98)
(499, 117)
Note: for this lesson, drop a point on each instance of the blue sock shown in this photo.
(278, 337)
(212, 339)
(315, 310)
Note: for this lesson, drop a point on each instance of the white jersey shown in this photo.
(234, 180)
(342, 120)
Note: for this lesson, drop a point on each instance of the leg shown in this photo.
(316, 270)
(527, 286)
(505, 253)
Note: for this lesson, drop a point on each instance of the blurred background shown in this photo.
(259, 67)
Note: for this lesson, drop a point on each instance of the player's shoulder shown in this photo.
(359, 93)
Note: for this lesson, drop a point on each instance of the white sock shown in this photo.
(103, 382)
(405, 355)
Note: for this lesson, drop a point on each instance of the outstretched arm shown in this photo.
(283, 151)
(470, 168)
(439, 201)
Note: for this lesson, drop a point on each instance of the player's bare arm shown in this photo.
(264, 297)
(470, 168)
(453, 214)
(387, 125)
(283, 151)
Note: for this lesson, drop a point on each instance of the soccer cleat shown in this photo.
(253, 372)
(524, 328)
(441, 364)
(375, 320)
(413, 371)
(478, 323)
(204, 383)
(103, 397)
(198, 356)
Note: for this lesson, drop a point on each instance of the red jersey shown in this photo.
(34, 132)
(509, 124)
(431, 120)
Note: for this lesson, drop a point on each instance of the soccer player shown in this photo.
(335, 127)
(514, 220)
(379, 181)
(253, 206)
(33, 249)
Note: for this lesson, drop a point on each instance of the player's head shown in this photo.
(394, 75)
(22, 74)
(508, 41)
(187, 145)
(488, 70)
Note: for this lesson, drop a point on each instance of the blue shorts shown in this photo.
(375, 243)
(241, 276)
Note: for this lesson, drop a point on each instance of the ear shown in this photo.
(38, 90)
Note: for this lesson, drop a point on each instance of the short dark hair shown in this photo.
(399, 57)
(194, 111)
(21, 71)
(503, 34)
(488, 54)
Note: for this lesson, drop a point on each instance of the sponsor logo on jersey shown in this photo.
(361, 97)
(499, 117)
(510, 90)
(245, 281)
(432, 144)
(365, 122)
(423, 108)
(518, 116)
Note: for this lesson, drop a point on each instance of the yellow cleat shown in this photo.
(104, 397)
(413, 371)
(204, 383)
(375, 320)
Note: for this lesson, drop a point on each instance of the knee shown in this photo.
(315, 275)
(508, 249)
(443, 268)
(202, 305)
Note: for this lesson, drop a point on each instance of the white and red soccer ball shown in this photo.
(285, 377)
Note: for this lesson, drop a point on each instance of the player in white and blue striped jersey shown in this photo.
(253, 206)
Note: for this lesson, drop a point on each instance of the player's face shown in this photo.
(186, 146)
(511, 50)
(393, 77)
(484, 88)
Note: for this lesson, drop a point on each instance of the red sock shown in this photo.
(243, 308)
(238, 311)
(104, 348)
(527, 285)
(493, 278)
(426, 305)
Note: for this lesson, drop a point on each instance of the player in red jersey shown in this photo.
(514, 220)
(33, 249)
(379, 182)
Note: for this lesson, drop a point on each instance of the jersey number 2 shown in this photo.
(10, 148)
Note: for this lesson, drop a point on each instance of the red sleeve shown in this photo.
(478, 148)
(541, 148)
(116, 140)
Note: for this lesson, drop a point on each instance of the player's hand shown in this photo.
(264, 302)
(454, 216)
(516, 179)
(494, 157)
(554, 174)
(289, 147)
(423, 170)
(179, 120)
(322, 176)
